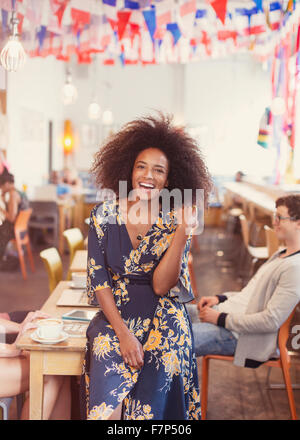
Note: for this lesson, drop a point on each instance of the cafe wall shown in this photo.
(33, 99)
(226, 99)
(128, 92)
(221, 101)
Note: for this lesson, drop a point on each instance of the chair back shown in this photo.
(271, 240)
(283, 333)
(21, 226)
(53, 265)
(44, 209)
(245, 229)
(75, 241)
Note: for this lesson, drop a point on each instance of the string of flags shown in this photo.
(149, 31)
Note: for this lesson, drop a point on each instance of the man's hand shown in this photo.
(207, 314)
(207, 301)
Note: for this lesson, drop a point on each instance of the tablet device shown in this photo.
(79, 315)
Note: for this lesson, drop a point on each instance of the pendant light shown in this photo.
(13, 55)
(69, 90)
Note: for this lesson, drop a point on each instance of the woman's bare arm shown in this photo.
(9, 326)
(130, 347)
(9, 350)
(12, 209)
(167, 272)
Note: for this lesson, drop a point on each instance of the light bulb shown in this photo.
(278, 106)
(69, 93)
(107, 117)
(13, 55)
(94, 110)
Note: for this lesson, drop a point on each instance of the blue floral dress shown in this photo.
(166, 387)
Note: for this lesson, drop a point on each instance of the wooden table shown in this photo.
(79, 263)
(63, 359)
(263, 201)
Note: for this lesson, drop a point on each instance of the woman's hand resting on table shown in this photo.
(131, 350)
(29, 323)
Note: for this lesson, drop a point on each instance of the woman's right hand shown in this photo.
(131, 350)
(207, 301)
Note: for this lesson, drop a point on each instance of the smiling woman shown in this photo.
(138, 274)
(115, 161)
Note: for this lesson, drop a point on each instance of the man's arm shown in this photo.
(285, 297)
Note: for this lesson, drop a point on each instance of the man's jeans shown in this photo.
(210, 338)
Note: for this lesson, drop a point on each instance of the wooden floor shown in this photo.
(234, 393)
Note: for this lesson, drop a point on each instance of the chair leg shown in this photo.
(30, 256)
(21, 259)
(289, 390)
(204, 387)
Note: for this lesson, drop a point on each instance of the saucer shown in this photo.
(36, 338)
(75, 286)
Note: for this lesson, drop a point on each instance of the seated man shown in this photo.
(246, 323)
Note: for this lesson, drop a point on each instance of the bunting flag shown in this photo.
(123, 18)
(186, 18)
(6, 5)
(274, 16)
(4, 15)
(80, 19)
(41, 36)
(150, 31)
(220, 7)
(150, 19)
(175, 31)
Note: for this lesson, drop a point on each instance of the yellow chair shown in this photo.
(75, 242)
(54, 267)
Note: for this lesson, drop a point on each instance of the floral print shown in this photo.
(161, 324)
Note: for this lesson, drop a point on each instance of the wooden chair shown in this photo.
(45, 216)
(53, 265)
(283, 362)
(271, 240)
(22, 239)
(75, 242)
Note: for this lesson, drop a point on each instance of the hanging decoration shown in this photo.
(149, 31)
(69, 91)
(12, 56)
(265, 129)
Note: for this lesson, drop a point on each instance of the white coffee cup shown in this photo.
(79, 279)
(50, 328)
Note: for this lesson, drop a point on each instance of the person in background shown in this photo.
(239, 176)
(14, 372)
(13, 201)
(62, 189)
(246, 323)
(71, 178)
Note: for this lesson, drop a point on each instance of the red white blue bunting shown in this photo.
(148, 31)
